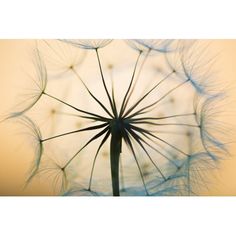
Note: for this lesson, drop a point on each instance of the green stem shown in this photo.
(115, 150)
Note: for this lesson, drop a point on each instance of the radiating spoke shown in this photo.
(130, 145)
(75, 108)
(95, 158)
(137, 77)
(124, 103)
(145, 95)
(91, 94)
(113, 94)
(76, 131)
(159, 152)
(91, 140)
(137, 139)
(103, 80)
(165, 124)
(140, 130)
(156, 102)
(161, 117)
(80, 116)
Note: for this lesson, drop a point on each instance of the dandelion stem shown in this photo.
(122, 175)
(115, 150)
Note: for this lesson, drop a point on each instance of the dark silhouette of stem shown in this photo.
(115, 150)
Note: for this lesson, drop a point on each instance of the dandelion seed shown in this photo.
(50, 170)
(60, 57)
(36, 138)
(159, 45)
(190, 61)
(147, 45)
(40, 83)
(88, 43)
(207, 113)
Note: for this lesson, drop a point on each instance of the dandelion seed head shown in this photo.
(135, 131)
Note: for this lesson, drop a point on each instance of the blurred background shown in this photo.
(16, 153)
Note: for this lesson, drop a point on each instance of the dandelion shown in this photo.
(158, 138)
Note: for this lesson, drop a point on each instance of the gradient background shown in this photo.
(16, 154)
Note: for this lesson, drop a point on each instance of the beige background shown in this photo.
(16, 154)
